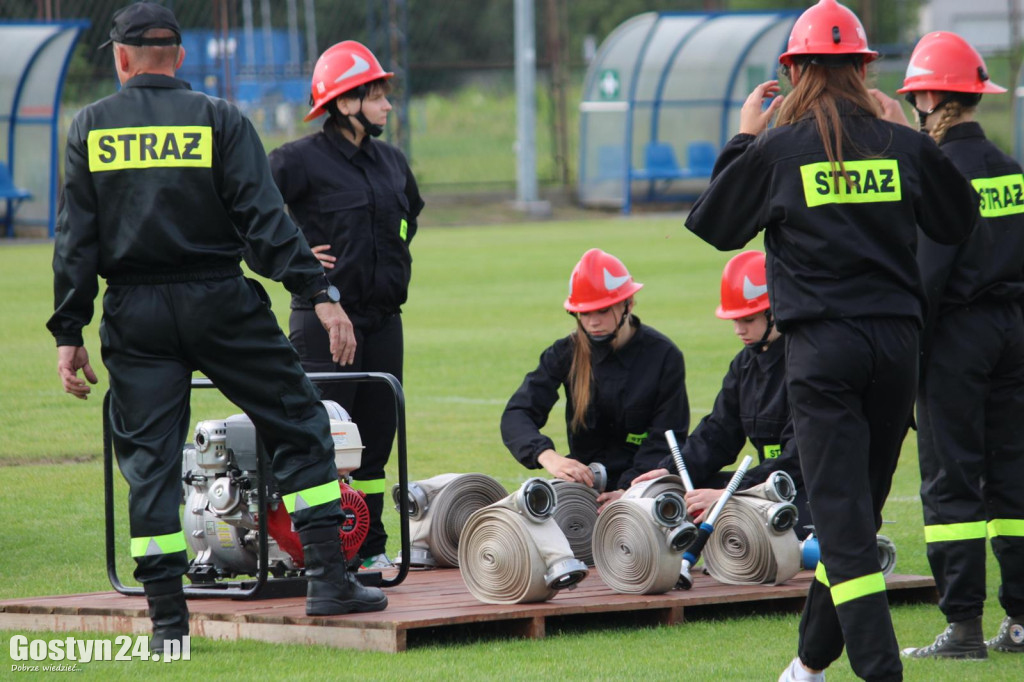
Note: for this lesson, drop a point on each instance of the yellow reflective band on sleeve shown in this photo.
(857, 588)
(150, 147)
(1000, 196)
(819, 574)
(311, 497)
(870, 181)
(772, 451)
(376, 486)
(1006, 527)
(154, 545)
(636, 438)
(403, 230)
(950, 532)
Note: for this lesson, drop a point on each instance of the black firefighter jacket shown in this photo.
(752, 404)
(638, 392)
(837, 250)
(364, 203)
(989, 266)
(164, 183)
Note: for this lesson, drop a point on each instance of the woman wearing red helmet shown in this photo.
(971, 394)
(357, 202)
(839, 193)
(751, 405)
(624, 383)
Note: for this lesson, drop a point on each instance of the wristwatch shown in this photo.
(328, 295)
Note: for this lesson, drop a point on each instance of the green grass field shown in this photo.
(484, 302)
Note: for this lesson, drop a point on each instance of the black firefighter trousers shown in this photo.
(971, 440)
(379, 348)
(851, 390)
(153, 337)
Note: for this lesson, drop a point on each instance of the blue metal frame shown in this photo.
(14, 120)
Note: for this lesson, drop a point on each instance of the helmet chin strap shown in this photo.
(922, 115)
(372, 129)
(604, 339)
(760, 346)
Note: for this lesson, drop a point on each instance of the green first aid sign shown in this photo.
(609, 84)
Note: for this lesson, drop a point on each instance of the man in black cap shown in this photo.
(165, 190)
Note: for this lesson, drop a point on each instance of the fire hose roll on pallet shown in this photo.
(576, 511)
(639, 541)
(512, 551)
(754, 542)
(438, 509)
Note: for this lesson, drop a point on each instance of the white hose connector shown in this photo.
(513, 552)
(438, 509)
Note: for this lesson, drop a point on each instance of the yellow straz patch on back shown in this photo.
(1000, 196)
(150, 147)
(871, 181)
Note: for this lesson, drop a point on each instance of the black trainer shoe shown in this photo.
(1010, 638)
(958, 640)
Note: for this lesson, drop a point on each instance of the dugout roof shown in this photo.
(662, 96)
(34, 58)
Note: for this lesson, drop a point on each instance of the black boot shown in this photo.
(168, 611)
(331, 589)
(963, 639)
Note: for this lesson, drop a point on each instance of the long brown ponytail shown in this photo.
(818, 91)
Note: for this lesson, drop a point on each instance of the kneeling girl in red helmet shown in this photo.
(752, 404)
(624, 384)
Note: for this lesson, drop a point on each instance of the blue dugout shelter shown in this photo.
(34, 59)
(663, 95)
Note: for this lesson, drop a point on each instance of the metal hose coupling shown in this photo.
(753, 543)
(438, 509)
(780, 487)
(810, 553)
(639, 542)
(665, 484)
(513, 552)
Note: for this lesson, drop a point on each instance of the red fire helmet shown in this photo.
(342, 67)
(744, 286)
(598, 281)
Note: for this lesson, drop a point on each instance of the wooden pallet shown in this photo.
(427, 606)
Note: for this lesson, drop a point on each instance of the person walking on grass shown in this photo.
(840, 194)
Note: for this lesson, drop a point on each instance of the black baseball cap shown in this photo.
(131, 23)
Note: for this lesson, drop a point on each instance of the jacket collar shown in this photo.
(157, 80)
(963, 131)
(343, 144)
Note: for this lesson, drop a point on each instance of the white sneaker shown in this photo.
(376, 563)
(796, 673)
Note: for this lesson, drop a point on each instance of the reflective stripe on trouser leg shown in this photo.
(850, 589)
(1006, 528)
(951, 532)
(155, 545)
(376, 486)
(312, 497)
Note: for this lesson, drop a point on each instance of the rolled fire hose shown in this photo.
(438, 509)
(707, 527)
(754, 543)
(638, 543)
(513, 552)
(810, 554)
(576, 511)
